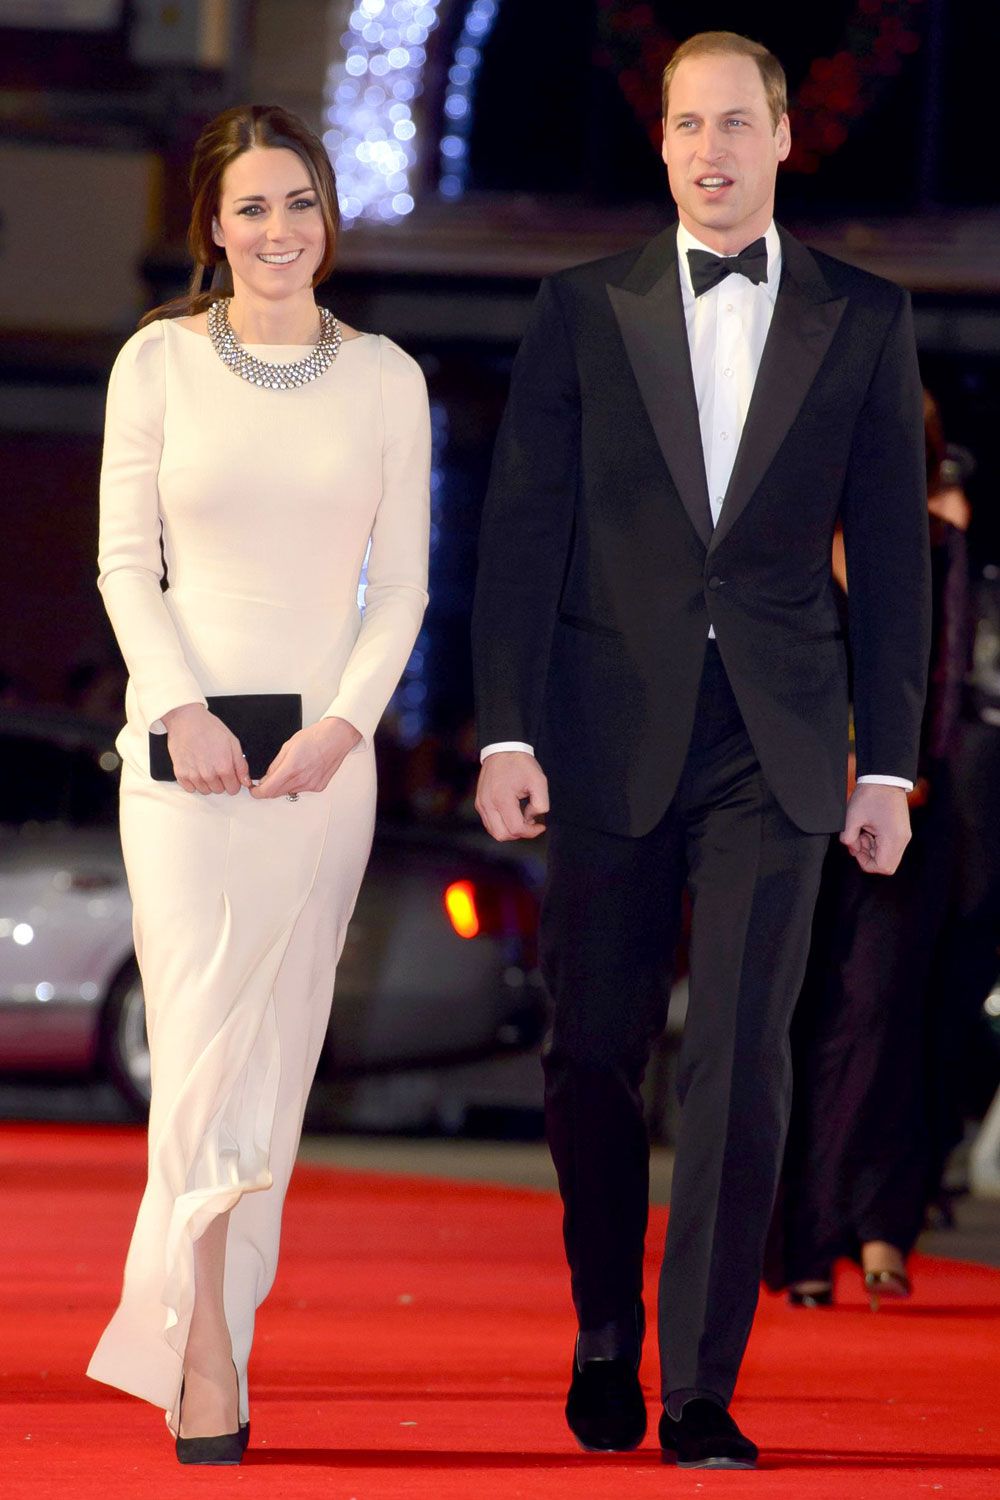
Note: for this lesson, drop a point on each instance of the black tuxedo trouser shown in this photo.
(609, 926)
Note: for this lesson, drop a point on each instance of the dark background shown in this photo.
(893, 168)
(562, 167)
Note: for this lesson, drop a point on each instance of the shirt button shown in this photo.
(723, 435)
(727, 372)
(729, 307)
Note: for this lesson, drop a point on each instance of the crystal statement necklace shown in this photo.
(283, 377)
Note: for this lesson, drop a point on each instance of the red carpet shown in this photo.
(417, 1344)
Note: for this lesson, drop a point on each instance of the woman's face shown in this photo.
(270, 223)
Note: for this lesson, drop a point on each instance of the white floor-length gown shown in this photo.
(265, 501)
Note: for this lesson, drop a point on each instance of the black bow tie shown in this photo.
(708, 270)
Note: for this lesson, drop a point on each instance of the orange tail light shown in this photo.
(460, 904)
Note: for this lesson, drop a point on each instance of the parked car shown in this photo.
(440, 963)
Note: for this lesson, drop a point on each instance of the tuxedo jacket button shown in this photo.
(715, 582)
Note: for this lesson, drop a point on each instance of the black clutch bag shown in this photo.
(262, 722)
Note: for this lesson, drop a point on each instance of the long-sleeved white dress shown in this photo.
(264, 502)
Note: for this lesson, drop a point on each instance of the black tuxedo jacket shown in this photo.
(600, 571)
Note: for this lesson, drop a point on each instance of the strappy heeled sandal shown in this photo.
(892, 1285)
(811, 1294)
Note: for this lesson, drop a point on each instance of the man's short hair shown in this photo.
(731, 44)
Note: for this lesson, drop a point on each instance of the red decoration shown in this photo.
(835, 92)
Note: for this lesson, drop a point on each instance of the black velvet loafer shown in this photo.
(705, 1437)
(605, 1408)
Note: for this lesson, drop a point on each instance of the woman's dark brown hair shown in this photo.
(225, 138)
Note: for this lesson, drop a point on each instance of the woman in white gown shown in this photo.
(237, 507)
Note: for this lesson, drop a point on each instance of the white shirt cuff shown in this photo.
(888, 781)
(504, 745)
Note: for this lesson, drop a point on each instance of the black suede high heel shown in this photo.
(226, 1449)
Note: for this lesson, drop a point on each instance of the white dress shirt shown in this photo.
(727, 329)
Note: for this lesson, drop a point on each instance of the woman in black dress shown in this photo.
(856, 1169)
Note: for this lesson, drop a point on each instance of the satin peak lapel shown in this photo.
(802, 328)
(650, 316)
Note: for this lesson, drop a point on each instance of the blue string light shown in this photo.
(480, 18)
(411, 695)
(371, 137)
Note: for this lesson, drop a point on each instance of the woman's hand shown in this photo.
(308, 761)
(206, 755)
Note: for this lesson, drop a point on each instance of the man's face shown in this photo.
(722, 150)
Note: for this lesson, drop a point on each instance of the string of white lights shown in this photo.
(480, 18)
(411, 695)
(371, 138)
(410, 698)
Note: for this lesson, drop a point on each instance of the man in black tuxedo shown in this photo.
(655, 618)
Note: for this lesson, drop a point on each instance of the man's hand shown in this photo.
(877, 829)
(506, 779)
(206, 756)
(308, 761)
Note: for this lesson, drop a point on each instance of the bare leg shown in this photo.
(884, 1267)
(210, 1394)
(879, 1255)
